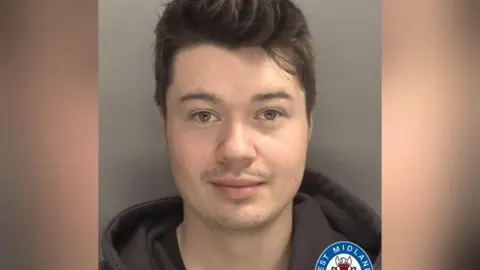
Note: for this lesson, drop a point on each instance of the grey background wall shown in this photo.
(346, 143)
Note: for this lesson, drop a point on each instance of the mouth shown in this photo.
(236, 183)
(237, 189)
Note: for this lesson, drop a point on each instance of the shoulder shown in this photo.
(102, 265)
(378, 262)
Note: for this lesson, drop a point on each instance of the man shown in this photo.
(236, 91)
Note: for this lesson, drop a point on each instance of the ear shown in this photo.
(310, 124)
(163, 118)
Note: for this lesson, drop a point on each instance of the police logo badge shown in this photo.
(344, 255)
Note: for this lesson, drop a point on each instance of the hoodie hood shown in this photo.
(324, 213)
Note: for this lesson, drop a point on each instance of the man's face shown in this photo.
(237, 135)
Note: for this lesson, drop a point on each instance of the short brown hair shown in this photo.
(277, 26)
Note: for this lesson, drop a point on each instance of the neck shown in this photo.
(203, 247)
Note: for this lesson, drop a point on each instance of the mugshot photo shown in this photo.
(240, 134)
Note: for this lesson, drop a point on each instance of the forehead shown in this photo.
(234, 74)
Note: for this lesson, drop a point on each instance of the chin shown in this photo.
(246, 218)
(241, 224)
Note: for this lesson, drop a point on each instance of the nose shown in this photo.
(235, 147)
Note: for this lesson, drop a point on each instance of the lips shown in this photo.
(236, 183)
(237, 188)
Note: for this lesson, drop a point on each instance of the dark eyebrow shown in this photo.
(209, 97)
(212, 98)
(272, 95)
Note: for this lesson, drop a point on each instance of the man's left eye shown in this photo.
(270, 115)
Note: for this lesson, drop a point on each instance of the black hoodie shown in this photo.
(324, 213)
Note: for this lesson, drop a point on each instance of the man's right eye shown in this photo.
(204, 117)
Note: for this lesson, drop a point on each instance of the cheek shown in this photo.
(285, 153)
(189, 151)
(289, 142)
